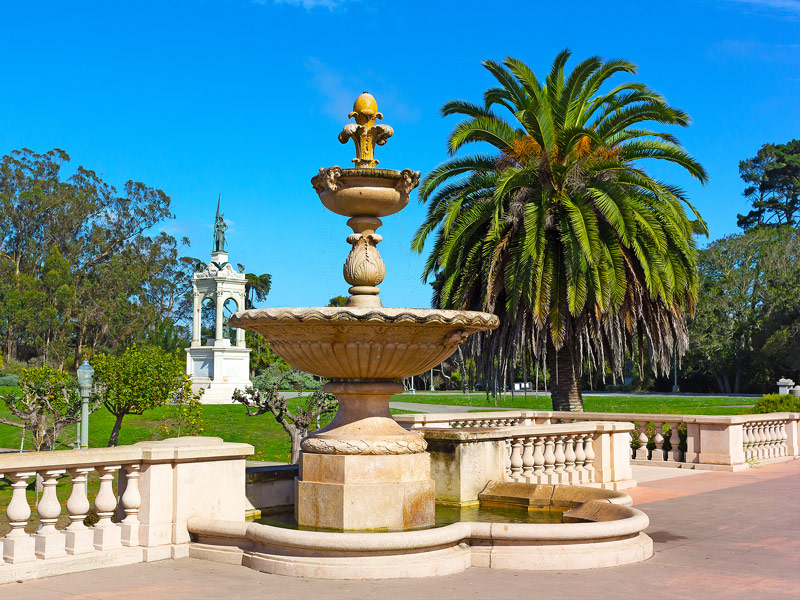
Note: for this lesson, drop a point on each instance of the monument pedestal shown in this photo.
(218, 371)
(365, 492)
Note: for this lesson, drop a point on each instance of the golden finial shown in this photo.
(364, 132)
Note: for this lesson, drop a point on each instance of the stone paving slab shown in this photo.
(717, 536)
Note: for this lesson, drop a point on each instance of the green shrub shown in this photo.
(776, 403)
(292, 379)
(10, 380)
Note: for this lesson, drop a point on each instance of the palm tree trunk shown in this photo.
(564, 380)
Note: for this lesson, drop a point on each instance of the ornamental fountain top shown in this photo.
(364, 132)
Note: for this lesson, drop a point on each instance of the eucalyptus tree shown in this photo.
(555, 225)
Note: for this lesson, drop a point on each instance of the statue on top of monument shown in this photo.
(219, 230)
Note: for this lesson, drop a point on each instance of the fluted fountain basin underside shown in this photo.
(364, 343)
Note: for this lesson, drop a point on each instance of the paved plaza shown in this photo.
(717, 535)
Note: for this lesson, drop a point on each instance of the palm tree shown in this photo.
(558, 229)
(256, 288)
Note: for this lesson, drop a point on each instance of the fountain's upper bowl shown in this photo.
(364, 192)
(364, 343)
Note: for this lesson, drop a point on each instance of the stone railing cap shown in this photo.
(173, 449)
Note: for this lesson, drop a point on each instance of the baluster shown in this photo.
(79, 538)
(762, 440)
(49, 542)
(107, 534)
(18, 546)
(747, 441)
(516, 459)
(674, 454)
(570, 474)
(560, 460)
(773, 439)
(588, 448)
(538, 458)
(527, 459)
(767, 440)
(658, 440)
(580, 458)
(756, 440)
(131, 500)
(641, 451)
(783, 449)
(549, 459)
(507, 445)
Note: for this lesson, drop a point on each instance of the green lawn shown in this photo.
(635, 404)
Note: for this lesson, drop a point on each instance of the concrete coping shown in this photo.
(473, 434)
(432, 418)
(183, 449)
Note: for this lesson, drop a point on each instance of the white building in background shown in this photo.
(218, 367)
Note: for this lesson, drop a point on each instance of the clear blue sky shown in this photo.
(245, 98)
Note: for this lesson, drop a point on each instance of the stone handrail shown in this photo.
(701, 441)
(160, 485)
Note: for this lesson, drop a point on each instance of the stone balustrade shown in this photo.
(696, 441)
(550, 458)
(465, 459)
(160, 485)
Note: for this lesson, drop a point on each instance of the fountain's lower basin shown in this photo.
(603, 530)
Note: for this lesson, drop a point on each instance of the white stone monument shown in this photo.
(218, 368)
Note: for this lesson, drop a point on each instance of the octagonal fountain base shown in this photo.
(351, 492)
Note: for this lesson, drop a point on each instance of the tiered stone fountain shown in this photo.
(364, 471)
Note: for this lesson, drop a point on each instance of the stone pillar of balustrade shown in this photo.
(692, 454)
(792, 433)
(185, 477)
(722, 443)
(612, 456)
(463, 461)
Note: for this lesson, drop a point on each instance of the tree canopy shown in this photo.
(557, 227)
(78, 266)
(773, 185)
(747, 329)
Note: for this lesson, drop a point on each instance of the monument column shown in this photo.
(196, 313)
(240, 333)
(218, 328)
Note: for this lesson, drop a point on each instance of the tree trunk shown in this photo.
(296, 435)
(112, 441)
(79, 344)
(564, 380)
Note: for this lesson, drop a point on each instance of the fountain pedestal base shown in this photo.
(365, 492)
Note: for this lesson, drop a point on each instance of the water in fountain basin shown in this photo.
(446, 515)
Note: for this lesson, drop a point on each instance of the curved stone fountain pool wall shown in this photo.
(601, 529)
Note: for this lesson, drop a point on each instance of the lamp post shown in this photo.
(85, 380)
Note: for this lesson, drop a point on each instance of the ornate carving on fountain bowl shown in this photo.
(318, 445)
(374, 192)
(364, 343)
